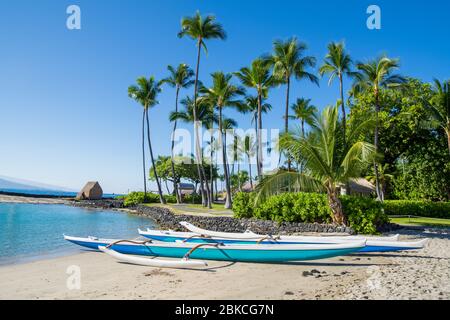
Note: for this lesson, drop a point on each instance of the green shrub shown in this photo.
(295, 207)
(134, 198)
(243, 204)
(170, 198)
(417, 208)
(194, 198)
(364, 214)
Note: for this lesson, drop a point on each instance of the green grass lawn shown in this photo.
(428, 222)
(215, 206)
(190, 208)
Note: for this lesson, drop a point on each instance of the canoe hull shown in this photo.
(371, 246)
(226, 253)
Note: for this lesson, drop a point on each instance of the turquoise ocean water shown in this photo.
(34, 231)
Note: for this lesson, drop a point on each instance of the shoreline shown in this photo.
(423, 274)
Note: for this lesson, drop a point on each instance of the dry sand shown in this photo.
(20, 199)
(421, 274)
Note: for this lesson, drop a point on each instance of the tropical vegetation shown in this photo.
(388, 128)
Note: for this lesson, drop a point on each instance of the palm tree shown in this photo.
(251, 106)
(258, 77)
(288, 61)
(223, 94)
(375, 76)
(328, 161)
(303, 111)
(200, 29)
(384, 177)
(186, 115)
(337, 63)
(439, 109)
(250, 152)
(179, 78)
(146, 92)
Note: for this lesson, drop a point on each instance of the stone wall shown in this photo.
(99, 204)
(165, 219)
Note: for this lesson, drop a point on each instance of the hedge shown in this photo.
(134, 198)
(417, 208)
(364, 214)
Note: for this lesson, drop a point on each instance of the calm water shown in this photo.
(32, 231)
(41, 192)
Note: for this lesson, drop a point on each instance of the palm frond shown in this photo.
(282, 181)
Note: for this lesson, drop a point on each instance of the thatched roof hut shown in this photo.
(91, 191)
(358, 186)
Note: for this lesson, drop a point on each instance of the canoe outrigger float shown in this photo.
(219, 251)
(198, 235)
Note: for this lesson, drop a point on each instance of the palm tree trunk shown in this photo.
(211, 171)
(175, 178)
(447, 132)
(250, 173)
(259, 158)
(198, 154)
(376, 143)
(143, 155)
(161, 198)
(167, 187)
(335, 206)
(286, 116)
(228, 201)
(344, 116)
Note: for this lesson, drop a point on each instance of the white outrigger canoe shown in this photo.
(153, 262)
(254, 236)
(373, 244)
(216, 251)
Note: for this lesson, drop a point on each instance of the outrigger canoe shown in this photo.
(373, 244)
(223, 252)
(177, 264)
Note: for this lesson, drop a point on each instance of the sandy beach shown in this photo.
(423, 274)
(21, 199)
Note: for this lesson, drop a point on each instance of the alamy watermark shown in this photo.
(374, 20)
(73, 281)
(73, 21)
(240, 145)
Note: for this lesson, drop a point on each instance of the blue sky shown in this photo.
(65, 116)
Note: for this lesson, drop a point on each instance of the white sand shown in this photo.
(421, 274)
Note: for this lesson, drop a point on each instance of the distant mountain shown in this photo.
(18, 184)
(5, 184)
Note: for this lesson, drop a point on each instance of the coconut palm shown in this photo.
(439, 108)
(200, 29)
(251, 106)
(228, 126)
(337, 64)
(179, 78)
(223, 94)
(186, 115)
(303, 111)
(258, 76)
(328, 161)
(375, 76)
(288, 60)
(250, 152)
(146, 92)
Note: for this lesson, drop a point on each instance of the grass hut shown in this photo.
(91, 191)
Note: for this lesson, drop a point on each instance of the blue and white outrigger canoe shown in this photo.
(374, 244)
(223, 252)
